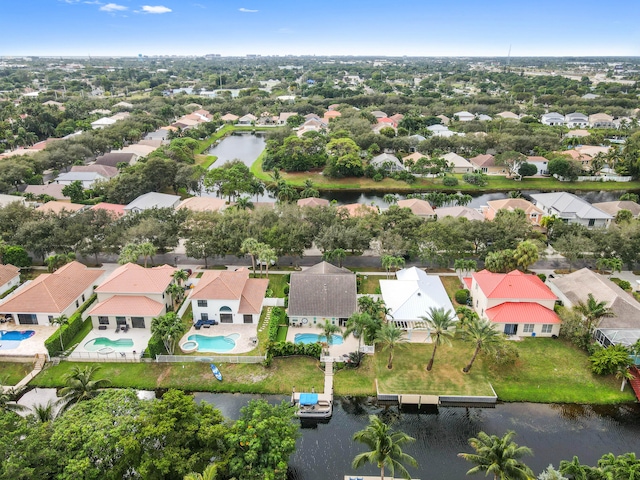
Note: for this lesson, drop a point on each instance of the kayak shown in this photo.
(216, 372)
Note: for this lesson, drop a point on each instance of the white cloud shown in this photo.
(113, 7)
(246, 10)
(155, 9)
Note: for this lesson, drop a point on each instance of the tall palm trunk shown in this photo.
(473, 359)
(433, 355)
(382, 472)
(390, 363)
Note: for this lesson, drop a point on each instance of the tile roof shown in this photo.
(128, 305)
(323, 290)
(232, 285)
(418, 207)
(358, 209)
(8, 272)
(202, 204)
(106, 171)
(512, 204)
(457, 160)
(313, 202)
(153, 200)
(568, 204)
(52, 292)
(612, 208)
(114, 208)
(459, 211)
(132, 278)
(521, 312)
(112, 159)
(483, 160)
(512, 285)
(52, 189)
(57, 207)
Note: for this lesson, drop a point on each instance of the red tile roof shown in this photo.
(8, 273)
(467, 281)
(227, 285)
(117, 210)
(135, 306)
(132, 278)
(521, 312)
(512, 285)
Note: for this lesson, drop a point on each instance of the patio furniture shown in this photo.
(206, 325)
(102, 327)
(125, 328)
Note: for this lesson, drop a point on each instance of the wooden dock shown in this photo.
(360, 477)
(420, 400)
(327, 394)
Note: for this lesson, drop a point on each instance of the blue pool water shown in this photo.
(10, 340)
(109, 346)
(314, 338)
(218, 344)
(16, 335)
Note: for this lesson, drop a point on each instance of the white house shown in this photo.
(152, 200)
(552, 119)
(388, 162)
(9, 277)
(412, 295)
(457, 163)
(571, 209)
(51, 295)
(247, 119)
(576, 120)
(87, 179)
(228, 297)
(464, 116)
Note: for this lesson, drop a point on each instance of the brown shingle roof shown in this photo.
(52, 292)
(323, 290)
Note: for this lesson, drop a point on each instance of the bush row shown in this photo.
(156, 347)
(278, 317)
(286, 349)
(69, 330)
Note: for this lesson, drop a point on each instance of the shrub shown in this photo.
(378, 178)
(287, 349)
(605, 361)
(449, 181)
(286, 289)
(462, 296)
(542, 277)
(68, 331)
(623, 284)
(156, 347)
(479, 179)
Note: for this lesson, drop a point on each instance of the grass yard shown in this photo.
(282, 333)
(279, 378)
(369, 284)
(552, 371)
(451, 284)
(277, 283)
(12, 372)
(205, 160)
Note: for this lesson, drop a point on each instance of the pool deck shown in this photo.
(30, 346)
(140, 337)
(348, 344)
(243, 343)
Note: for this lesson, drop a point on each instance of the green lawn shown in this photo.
(11, 373)
(282, 333)
(369, 284)
(552, 371)
(283, 374)
(451, 285)
(277, 283)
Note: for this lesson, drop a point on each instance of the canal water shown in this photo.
(554, 432)
(247, 147)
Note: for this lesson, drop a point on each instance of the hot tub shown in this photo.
(189, 346)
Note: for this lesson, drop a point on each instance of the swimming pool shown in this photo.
(16, 334)
(314, 338)
(105, 345)
(218, 344)
(10, 339)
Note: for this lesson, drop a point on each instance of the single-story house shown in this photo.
(58, 207)
(322, 292)
(515, 303)
(444, 119)
(440, 131)
(9, 199)
(113, 159)
(313, 202)
(413, 158)
(464, 116)
(459, 211)
(411, 295)
(228, 297)
(418, 207)
(578, 133)
(152, 200)
(388, 162)
(51, 295)
(87, 179)
(247, 119)
(487, 164)
(508, 116)
(571, 209)
(52, 189)
(457, 163)
(9, 277)
(132, 295)
(103, 122)
(161, 134)
(203, 204)
(612, 208)
(105, 171)
(114, 209)
(533, 213)
(623, 327)
(358, 209)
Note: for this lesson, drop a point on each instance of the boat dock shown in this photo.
(420, 400)
(316, 405)
(359, 477)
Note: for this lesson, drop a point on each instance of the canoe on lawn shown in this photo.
(216, 372)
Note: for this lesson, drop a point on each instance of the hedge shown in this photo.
(287, 349)
(69, 330)
(278, 317)
(156, 347)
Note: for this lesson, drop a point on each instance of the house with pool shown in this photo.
(226, 296)
(51, 295)
(322, 292)
(131, 296)
(9, 277)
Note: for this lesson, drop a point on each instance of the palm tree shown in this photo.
(390, 337)
(593, 311)
(256, 188)
(357, 325)
(442, 325)
(387, 262)
(44, 413)
(266, 255)
(390, 198)
(386, 448)
(209, 473)
(80, 386)
(6, 400)
(180, 276)
(499, 456)
(574, 469)
(250, 246)
(339, 254)
(328, 329)
(244, 203)
(623, 373)
(482, 333)
(176, 292)
(60, 321)
(129, 254)
(147, 250)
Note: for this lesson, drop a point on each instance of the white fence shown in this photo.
(273, 302)
(104, 357)
(211, 359)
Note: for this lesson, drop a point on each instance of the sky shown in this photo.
(327, 27)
